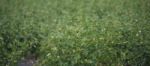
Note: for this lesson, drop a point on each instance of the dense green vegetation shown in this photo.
(75, 32)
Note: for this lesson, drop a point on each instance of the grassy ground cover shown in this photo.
(75, 32)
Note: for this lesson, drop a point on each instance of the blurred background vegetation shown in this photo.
(75, 32)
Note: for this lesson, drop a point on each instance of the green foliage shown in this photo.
(75, 32)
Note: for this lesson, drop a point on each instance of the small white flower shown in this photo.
(140, 31)
(54, 48)
(103, 29)
(48, 54)
(137, 34)
(101, 38)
